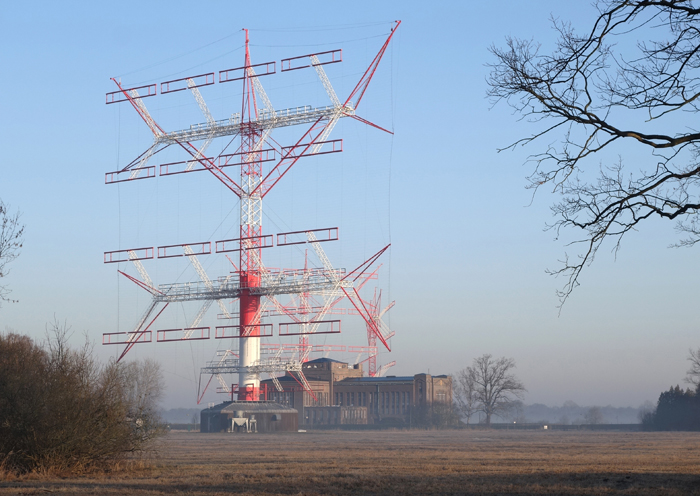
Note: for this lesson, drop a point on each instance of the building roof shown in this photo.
(250, 407)
(393, 378)
(324, 360)
(289, 378)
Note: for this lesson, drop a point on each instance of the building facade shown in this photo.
(341, 395)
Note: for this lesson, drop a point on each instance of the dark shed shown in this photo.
(266, 416)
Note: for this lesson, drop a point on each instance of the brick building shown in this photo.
(341, 395)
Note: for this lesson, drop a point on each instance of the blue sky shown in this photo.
(468, 258)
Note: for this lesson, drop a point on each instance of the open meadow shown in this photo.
(399, 462)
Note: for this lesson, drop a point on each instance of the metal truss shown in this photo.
(314, 291)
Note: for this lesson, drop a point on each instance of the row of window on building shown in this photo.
(383, 403)
(336, 415)
(287, 398)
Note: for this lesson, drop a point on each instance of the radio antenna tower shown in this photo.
(252, 284)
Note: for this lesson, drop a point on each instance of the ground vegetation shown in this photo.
(63, 412)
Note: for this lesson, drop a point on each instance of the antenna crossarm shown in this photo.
(200, 101)
(382, 370)
(325, 81)
(210, 120)
(197, 319)
(263, 366)
(205, 279)
(260, 93)
(140, 268)
(276, 382)
(266, 120)
(136, 101)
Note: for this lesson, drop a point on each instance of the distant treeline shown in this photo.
(181, 415)
(568, 414)
(677, 410)
(572, 414)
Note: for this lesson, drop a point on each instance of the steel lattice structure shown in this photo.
(252, 284)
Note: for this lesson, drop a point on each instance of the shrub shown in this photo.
(62, 411)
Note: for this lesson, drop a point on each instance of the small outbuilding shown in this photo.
(249, 416)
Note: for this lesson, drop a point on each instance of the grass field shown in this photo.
(413, 463)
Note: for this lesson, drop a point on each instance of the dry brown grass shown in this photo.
(418, 462)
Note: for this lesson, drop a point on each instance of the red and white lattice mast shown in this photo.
(252, 284)
(251, 233)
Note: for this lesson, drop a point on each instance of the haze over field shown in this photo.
(469, 254)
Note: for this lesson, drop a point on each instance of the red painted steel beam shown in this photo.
(131, 345)
(109, 255)
(335, 57)
(369, 73)
(165, 86)
(288, 160)
(140, 284)
(112, 96)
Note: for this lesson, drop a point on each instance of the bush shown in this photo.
(60, 411)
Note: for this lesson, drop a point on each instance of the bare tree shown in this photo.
(599, 96)
(496, 389)
(693, 375)
(465, 395)
(11, 232)
(516, 412)
(593, 416)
